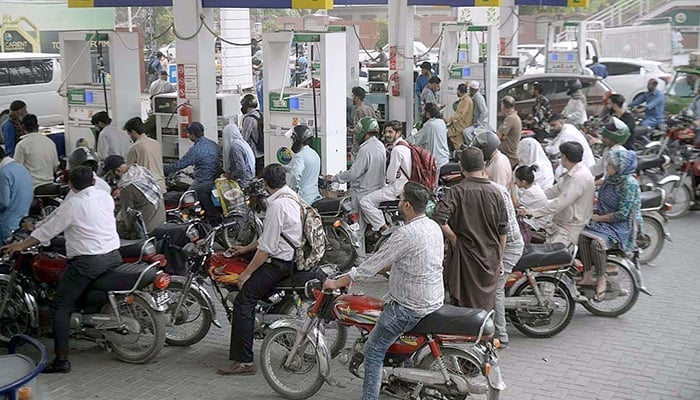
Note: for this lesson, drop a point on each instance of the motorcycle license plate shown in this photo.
(354, 227)
(161, 298)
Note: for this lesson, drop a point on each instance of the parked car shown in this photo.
(682, 89)
(629, 76)
(595, 89)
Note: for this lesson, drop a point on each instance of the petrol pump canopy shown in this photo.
(322, 3)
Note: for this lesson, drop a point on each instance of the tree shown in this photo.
(383, 35)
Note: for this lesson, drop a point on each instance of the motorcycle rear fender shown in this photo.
(205, 295)
(667, 179)
(345, 228)
(29, 301)
(479, 357)
(315, 337)
(661, 219)
(634, 270)
(149, 300)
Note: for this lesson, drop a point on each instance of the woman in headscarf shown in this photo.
(616, 218)
(530, 152)
(239, 159)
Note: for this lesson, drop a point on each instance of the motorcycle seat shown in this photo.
(130, 248)
(172, 197)
(641, 130)
(50, 190)
(452, 320)
(327, 206)
(124, 277)
(651, 199)
(450, 169)
(649, 162)
(540, 255)
(388, 205)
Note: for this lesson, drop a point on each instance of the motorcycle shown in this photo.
(122, 310)
(425, 362)
(538, 302)
(191, 308)
(651, 237)
(682, 190)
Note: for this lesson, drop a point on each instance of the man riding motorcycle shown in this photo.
(306, 165)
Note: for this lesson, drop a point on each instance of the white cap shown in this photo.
(474, 85)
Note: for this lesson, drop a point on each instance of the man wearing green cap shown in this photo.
(614, 135)
(368, 171)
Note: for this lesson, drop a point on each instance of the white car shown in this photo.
(629, 76)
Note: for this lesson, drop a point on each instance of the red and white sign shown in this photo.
(187, 85)
(392, 58)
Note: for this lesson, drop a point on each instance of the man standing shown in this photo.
(433, 135)
(111, 140)
(145, 151)
(510, 131)
(541, 112)
(12, 128)
(474, 219)
(359, 108)
(498, 167)
(655, 103)
(204, 156)
(139, 190)
(429, 93)
(161, 85)
(306, 165)
(462, 118)
(617, 105)
(599, 69)
(397, 174)
(421, 82)
(571, 199)
(481, 113)
(251, 130)
(38, 154)
(568, 133)
(273, 261)
(15, 194)
(415, 285)
(575, 110)
(91, 247)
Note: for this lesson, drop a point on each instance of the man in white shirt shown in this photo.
(397, 174)
(568, 133)
(111, 140)
(91, 247)
(282, 233)
(161, 85)
(570, 200)
(481, 112)
(38, 154)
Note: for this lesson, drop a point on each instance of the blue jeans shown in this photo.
(393, 322)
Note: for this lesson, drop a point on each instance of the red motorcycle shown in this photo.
(123, 309)
(424, 362)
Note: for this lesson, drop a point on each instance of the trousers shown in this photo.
(79, 274)
(263, 280)
(203, 191)
(369, 205)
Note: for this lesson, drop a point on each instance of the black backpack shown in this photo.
(259, 142)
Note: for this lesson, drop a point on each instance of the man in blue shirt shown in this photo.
(421, 82)
(599, 69)
(12, 128)
(306, 165)
(204, 156)
(654, 108)
(16, 194)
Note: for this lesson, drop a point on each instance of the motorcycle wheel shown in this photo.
(624, 280)
(680, 197)
(173, 218)
(303, 379)
(461, 363)
(15, 319)
(240, 235)
(650, 239)
(563, 306)
(335, 335)
(340, 250)
(142, 346)
(192, 322)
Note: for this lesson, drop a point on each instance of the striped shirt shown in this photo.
(416, 251)
(514, 239)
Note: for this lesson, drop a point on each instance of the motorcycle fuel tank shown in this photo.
(48, 267)
(226, 269)
(358, 308)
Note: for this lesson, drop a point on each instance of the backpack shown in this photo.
(313, 241)
(424, 168)
(259, 143)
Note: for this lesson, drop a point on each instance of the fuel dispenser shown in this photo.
(566, 48)
(469, 52)
(93, 82)
(319, 101)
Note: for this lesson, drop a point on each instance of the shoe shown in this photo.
(236, 368)
(57, 367)
(504, 345)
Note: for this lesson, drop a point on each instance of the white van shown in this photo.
(33, 78)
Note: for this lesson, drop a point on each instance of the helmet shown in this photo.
(301, 133)
(484, 139)
(366, 125)
(572, 86)
(616, 130)
(82, 156)
(539, 87)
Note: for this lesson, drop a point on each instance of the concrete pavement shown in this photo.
(650, 353)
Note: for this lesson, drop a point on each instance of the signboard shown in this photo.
(277, 104)
(172, 73)
(187, 85)
(554, 3)
(396, 58)
(118, 3)
(311, 4)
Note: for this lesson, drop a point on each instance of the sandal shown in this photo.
(600, 296)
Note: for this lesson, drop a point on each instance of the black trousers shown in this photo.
(263, 280)
(203, 191)
(79, 274)
(259, 165)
